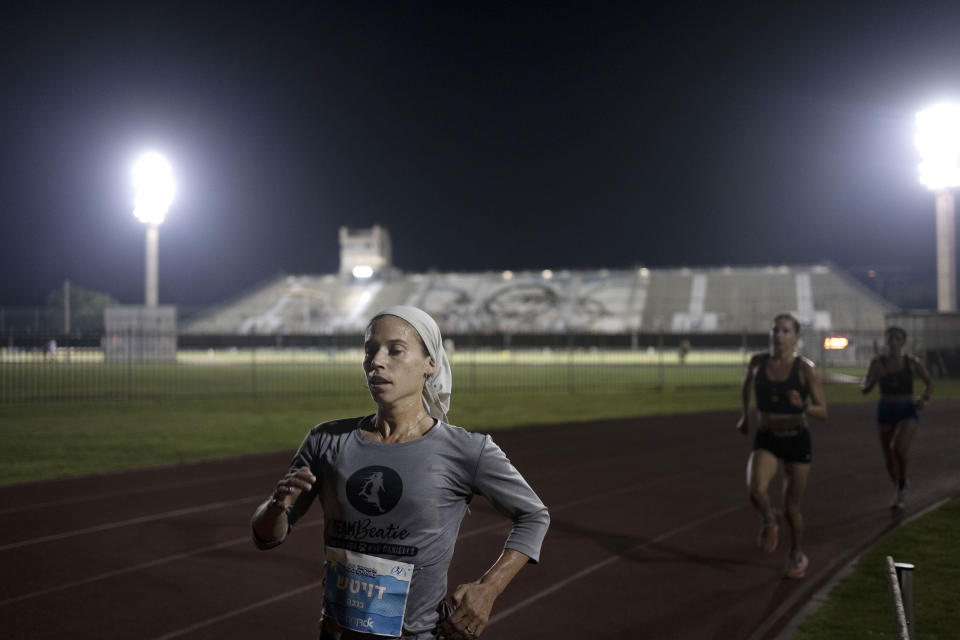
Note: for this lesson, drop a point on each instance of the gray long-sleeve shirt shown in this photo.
(405, 501)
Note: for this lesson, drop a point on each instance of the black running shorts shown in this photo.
(791, 445)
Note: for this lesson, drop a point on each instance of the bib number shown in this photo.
(365, 593)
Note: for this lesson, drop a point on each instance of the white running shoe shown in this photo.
(796, 567)
(900, 496)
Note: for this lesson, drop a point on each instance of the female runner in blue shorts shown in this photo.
(897, 418)
(787, 390)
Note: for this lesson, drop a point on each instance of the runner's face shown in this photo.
(783, 336)
(394, 362)
(895, 341)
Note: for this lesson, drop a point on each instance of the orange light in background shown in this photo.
(871, 273)
(835, 342)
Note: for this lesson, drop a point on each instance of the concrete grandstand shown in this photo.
(642, 300)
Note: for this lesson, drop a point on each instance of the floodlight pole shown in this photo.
(150, 284)
(938, 140)
(946, 252)
(154, 184)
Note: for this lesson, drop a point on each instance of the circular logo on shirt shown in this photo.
(374, 491)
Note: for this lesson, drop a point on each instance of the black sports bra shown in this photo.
(774, 395)
(900, 382)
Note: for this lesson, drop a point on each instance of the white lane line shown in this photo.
(237, 612)
(288, 594)
(503, 524)
(220, 505)
(181, 556)
(132, 521)
(236, 541)
(224, 478)
(517, 607)
(129, 492)
(143, 565)
(611, 560)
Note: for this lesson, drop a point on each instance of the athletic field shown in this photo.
(84, 375)
(651, 536)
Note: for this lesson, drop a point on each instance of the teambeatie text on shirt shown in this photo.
(360, 536)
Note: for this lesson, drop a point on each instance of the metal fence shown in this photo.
(41, 368)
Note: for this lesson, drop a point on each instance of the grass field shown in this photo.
(315, 372)
(56, 439)
(859, 605)
(232, 356)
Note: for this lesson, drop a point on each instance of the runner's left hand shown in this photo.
(795, 398)
(472, 603)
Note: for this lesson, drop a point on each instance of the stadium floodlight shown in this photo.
(938, 140)
(153, 183)
(362, 271)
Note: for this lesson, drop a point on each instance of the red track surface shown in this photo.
(651, 537)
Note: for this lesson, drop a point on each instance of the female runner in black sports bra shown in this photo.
(897, 418)
(787, 390)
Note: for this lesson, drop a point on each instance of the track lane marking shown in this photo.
(128, 492)
(223, 478)
(140, 566)
(463, 536)
(611, 560)
(236, 612)
(281, 596)
(221, 545)
(520, 605)
(236, 541)
(132, 521)
(219, 505)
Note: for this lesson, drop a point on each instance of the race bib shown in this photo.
(365, 593)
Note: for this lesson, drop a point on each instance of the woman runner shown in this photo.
(897, 418)
(787, 390)
(394, 487)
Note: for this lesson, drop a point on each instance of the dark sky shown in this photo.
(482, 135)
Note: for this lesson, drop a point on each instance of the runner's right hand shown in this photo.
(743, 425)
(294, 483)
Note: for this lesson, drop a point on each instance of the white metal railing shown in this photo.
(900, 579)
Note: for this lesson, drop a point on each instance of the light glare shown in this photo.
(938, 140)
(362, 271)
(835, 342)
(153, 182)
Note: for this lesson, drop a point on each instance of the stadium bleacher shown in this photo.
(681, 301)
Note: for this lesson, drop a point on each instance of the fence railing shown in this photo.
(35, 368)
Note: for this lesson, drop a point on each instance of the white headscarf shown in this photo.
(436, 391)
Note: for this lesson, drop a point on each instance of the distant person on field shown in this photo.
(684, 350)
(394, 487)
(897, 410)
(787, 390)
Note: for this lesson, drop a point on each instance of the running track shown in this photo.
(651, 537)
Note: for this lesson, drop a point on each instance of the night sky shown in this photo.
(482, 135)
